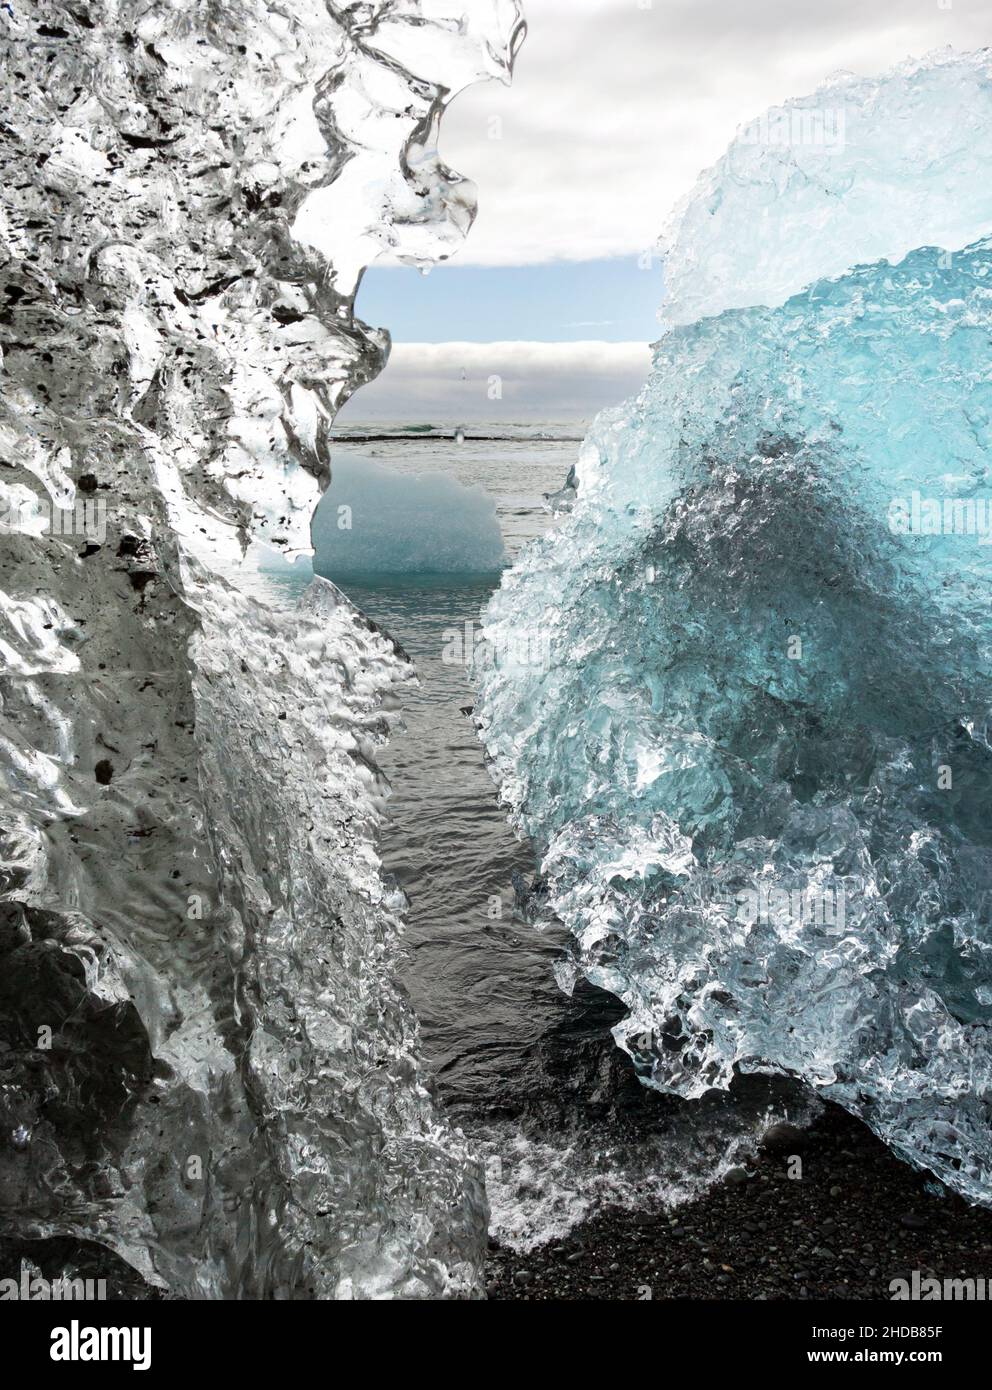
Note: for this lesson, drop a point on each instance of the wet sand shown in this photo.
(855, 1220)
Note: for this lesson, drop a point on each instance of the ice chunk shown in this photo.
(758, 760)
(377, 521)
(863, 168)
(205, 1062)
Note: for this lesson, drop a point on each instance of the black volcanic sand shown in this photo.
(856, 1219)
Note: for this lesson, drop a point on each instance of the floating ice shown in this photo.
(758, 761)
(377, 521)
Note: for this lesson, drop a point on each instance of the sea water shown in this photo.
(531, 1073)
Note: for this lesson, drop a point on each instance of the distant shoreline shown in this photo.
(468, 436)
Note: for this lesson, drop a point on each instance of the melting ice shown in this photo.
(228, 1093)
(763, 690)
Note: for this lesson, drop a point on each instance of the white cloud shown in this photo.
(617, 105)
(500, 382)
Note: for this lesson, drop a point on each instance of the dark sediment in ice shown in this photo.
(205, 1064)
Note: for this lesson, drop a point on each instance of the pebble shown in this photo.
(781, 1137)
(913, 1221)
(800, 1231)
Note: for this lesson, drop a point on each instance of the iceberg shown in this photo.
(862, 169)
(376, 521)
(757, 760)
(207, 1066)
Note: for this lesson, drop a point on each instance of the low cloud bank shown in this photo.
(504, 382)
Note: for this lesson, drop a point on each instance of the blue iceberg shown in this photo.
(379, 522)
(757, 760)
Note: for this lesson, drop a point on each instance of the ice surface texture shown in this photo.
(378, 521)
(757, 756)
(861, 169)
(204, 1062)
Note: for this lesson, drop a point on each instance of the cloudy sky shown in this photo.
(615, 107)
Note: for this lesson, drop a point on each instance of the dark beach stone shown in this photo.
(782, 1138)
(913, 1221)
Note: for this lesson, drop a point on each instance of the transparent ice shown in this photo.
(757, 763)
(862, 169)
(205, 1063)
